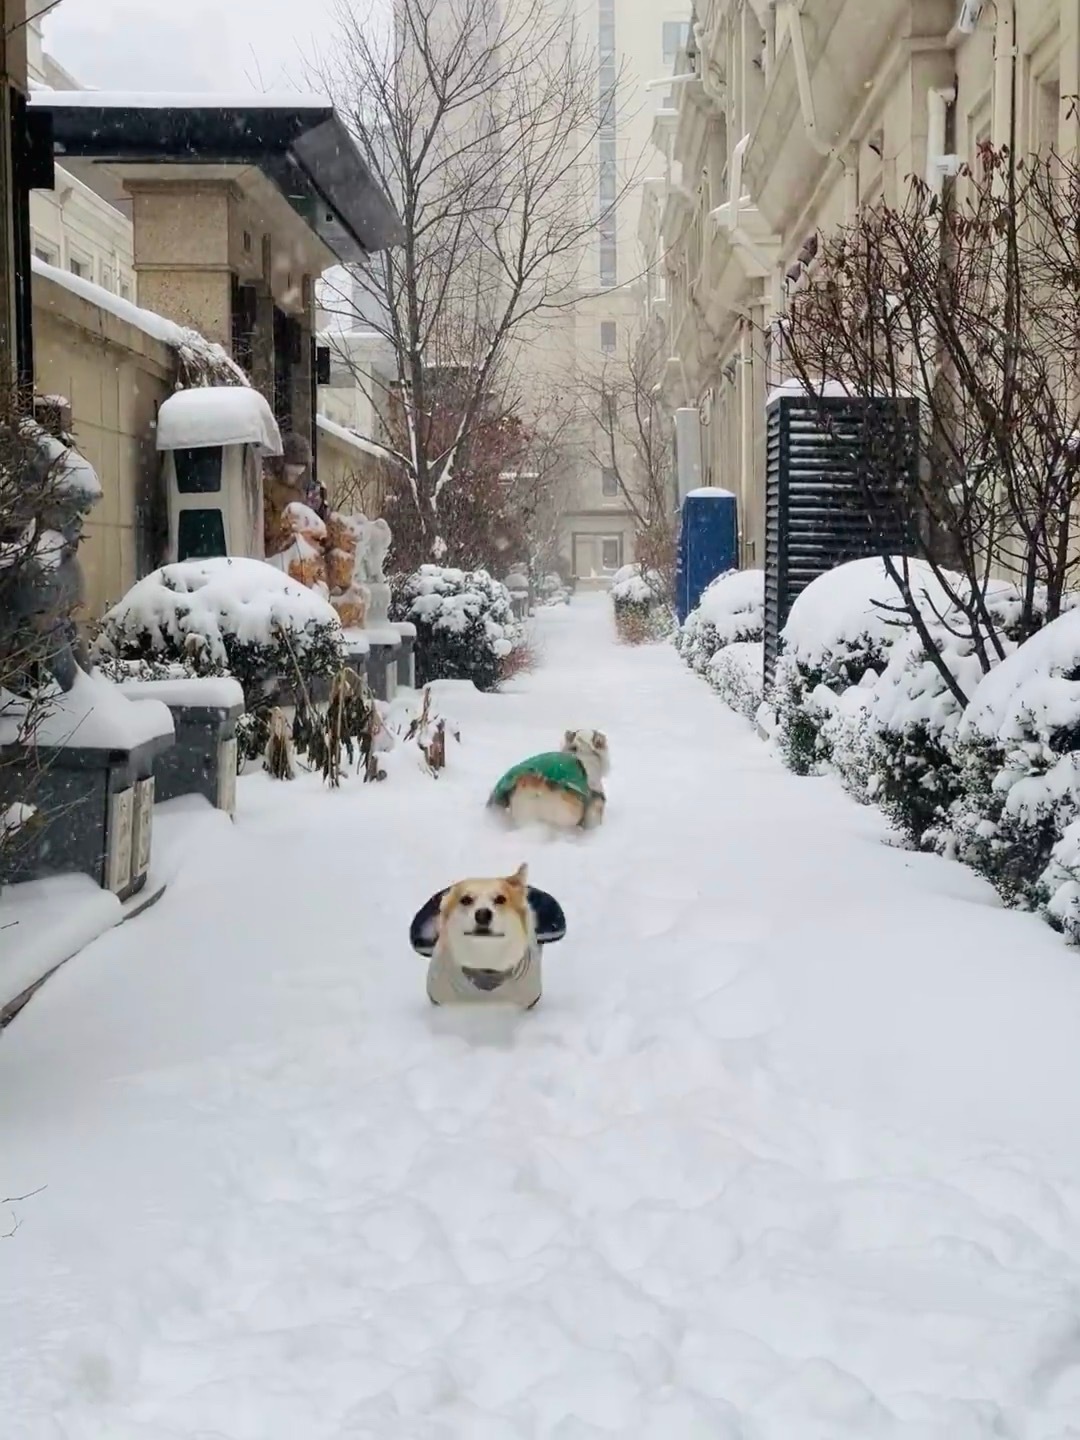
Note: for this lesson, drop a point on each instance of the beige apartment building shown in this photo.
(797, 113)
(638, 48)
(83, 225)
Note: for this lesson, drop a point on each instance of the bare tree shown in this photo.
(967, 302)
(481, 122)
(43, 499)
(632, 439)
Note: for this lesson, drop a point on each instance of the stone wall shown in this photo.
(115, 377)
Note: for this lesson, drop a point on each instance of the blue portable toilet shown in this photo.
(708, 544)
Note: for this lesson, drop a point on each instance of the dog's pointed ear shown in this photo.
(424, 930)
(599, 740)
(568, 738)
(520, 876)
(549, 921)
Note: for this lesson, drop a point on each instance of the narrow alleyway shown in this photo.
(789, 1151)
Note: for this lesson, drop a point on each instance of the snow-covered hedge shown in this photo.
(737, 674)
(916, 713)
(730, 612)
(839, 634)
(465, 625)
(1019, 751)
(229, 616)
(642, 611)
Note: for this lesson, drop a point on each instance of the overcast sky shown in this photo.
(187, 44)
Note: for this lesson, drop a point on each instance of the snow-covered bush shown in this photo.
(840, 630)
(465, 625)
(916, 715)
(552, 590)
(642, 611)
(228, 616)
(731, 611)
(1019, 753)
(849, 737)
(737, 674)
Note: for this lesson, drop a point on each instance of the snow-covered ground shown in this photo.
(789, 1151)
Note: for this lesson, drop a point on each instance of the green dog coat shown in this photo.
(558, 767)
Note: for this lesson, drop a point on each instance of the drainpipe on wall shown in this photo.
(735, 182)
(746, 420)
(937, 112)
(802, 80)
(1004, 62)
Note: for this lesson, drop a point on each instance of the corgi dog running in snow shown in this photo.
(483, 938)
(563, 788)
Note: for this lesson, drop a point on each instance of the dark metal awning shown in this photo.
(302, 146)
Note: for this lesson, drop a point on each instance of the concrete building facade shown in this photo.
(75, 226)
(797, 113)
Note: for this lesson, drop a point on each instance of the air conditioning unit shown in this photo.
(968, 19)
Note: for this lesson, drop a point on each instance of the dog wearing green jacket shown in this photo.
(562, 788)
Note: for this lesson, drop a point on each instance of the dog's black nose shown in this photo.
(483, 918)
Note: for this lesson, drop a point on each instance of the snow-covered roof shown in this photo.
(217, 415)
(352, 439)
(300, 144)
(178, 100)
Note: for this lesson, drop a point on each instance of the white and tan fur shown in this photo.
(536, 802)
(487, 948)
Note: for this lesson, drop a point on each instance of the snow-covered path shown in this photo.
(790, 1150)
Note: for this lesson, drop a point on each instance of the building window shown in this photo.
(607, 264)
(611, 552)
(608, 336)
(79, 268)
(125, 290)
(675, 35)
(47, 257)
(609, 483)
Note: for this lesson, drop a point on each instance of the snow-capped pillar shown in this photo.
(13, 15)
(181, 241)
(262, 337)
(303, 373)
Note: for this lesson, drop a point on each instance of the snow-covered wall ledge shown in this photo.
(115, 375)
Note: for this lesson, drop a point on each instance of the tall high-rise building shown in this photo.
(636, 46)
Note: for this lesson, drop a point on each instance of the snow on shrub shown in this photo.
(840, 629)
(232, 616)
(731, 611)
(916, 714)
(465, 625)
(642, 611)
(849, 735)
(737, 674)
(1019, 751)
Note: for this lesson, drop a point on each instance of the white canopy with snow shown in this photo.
(217, 415)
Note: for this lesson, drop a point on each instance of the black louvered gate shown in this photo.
(839, 481)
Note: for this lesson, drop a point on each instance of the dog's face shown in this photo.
(589, 745)
(485, 926)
